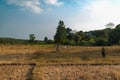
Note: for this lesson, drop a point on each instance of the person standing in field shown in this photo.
(103, 52)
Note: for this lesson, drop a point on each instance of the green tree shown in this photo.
(110, 25)
(100, 42)
(45, 39)
(77, 39)
(60, 36)
(70, 36)
(114, 35)
(32, 38)
(68, 31)
(50, 41)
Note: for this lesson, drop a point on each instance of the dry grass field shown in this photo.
(16, 71)
(72, 63)
(77, 72)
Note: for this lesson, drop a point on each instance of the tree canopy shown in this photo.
(114, 35)
(60, 36)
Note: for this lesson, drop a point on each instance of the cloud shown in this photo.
(96, 14)
(53, 2)
(33, 5)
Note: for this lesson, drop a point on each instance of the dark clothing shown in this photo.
(103, 52)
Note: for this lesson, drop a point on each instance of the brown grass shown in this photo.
(48, 54)
(77, 72)
(15, 72)
(75, 55)
(11, 49)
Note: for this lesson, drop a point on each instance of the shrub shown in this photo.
(100, 42)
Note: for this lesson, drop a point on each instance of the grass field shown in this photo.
(73, 59)
(42, 54)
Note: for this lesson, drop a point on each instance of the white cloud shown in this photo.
(53, 2)
(96, 14)
(34, 5)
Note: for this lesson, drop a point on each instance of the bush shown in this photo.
(71, 42)
(100, 42)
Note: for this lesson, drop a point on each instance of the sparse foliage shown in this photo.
(110, 25)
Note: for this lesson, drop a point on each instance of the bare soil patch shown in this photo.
(74, 63)
(16, 71)
(79, 72)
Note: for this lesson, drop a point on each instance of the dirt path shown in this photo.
(16, 71)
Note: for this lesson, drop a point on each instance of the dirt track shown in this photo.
(16, 71)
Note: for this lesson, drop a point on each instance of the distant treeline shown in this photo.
(105, 37)
(18, 41)
(66, 36)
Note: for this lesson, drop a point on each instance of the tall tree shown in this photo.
(60, 36)
(45, 39)
(114, 35)
(109, 27)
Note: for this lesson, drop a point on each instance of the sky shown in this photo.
(19, 18)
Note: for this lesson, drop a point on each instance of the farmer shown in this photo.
(103, 52)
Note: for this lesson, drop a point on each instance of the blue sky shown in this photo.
(19, 18)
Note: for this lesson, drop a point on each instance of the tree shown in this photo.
(114, 35)
(110, 25)
(31, 38)
(45, 39)
(77, 39)
(60, 36)
(70, 36)
(108, 29)
(50, 41)
(68, 31)
(100, 42)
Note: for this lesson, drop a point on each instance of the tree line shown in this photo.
(66, 36)
(105, 37)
